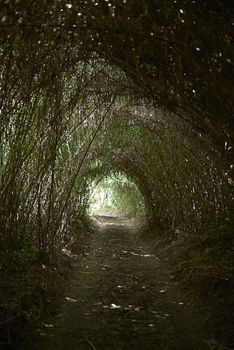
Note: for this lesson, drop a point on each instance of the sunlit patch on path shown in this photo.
(118, 220)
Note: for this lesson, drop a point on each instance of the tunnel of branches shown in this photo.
(141, 90)
(90, 88)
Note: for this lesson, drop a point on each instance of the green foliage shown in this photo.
(116, 192)
(142, 88)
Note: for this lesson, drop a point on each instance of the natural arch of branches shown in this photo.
(141, 87)
(97, 81)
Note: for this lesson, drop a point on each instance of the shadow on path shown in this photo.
(123, 297)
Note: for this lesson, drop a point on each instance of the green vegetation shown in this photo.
(116, 193)
(137, 88)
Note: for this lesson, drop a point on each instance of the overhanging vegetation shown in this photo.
(142, 88)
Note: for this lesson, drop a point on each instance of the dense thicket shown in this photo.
(162, 70)
(90, 87)
(175, 168)
(179, 53)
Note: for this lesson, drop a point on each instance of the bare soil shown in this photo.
(121, 296)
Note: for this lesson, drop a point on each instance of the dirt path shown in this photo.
(122, 297)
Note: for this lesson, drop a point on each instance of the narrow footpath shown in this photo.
(121, 296)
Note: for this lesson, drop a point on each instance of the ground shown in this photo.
(123, 296)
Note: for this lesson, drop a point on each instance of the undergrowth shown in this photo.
(29, 295)
(204, 267)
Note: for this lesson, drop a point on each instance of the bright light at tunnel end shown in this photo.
(115, 193)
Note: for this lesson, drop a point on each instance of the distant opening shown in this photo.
(116, 194)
